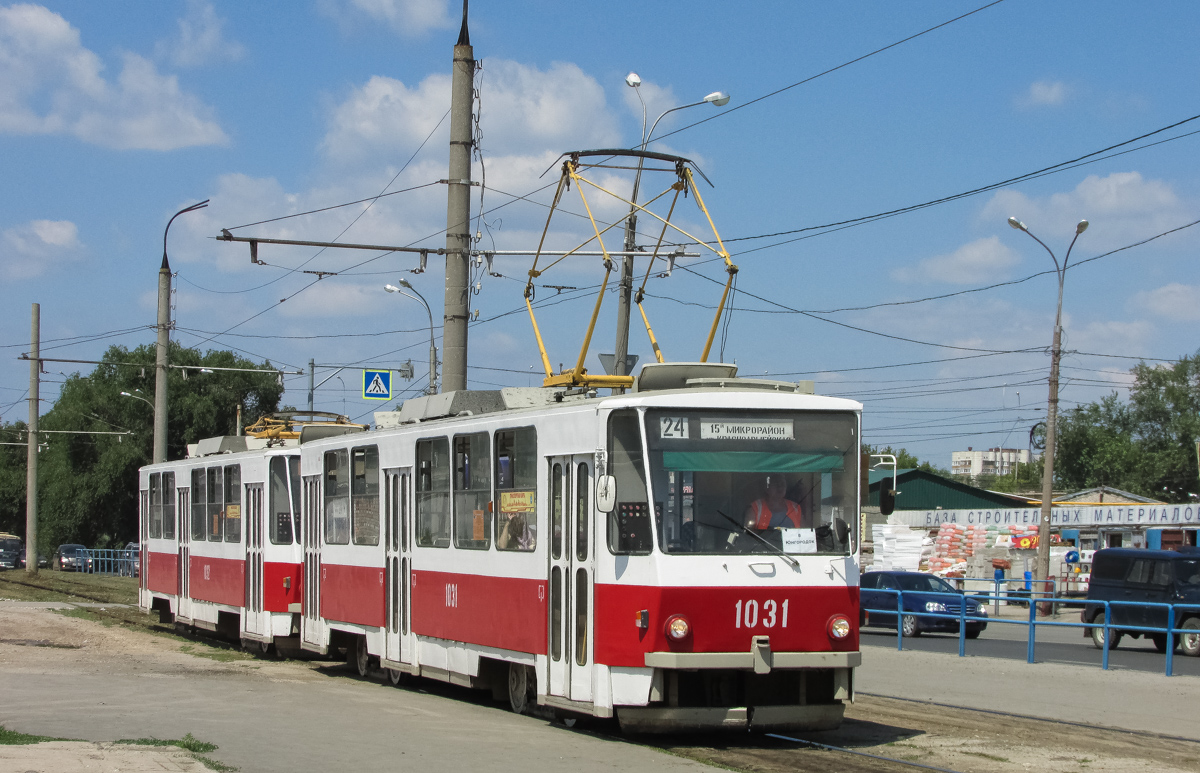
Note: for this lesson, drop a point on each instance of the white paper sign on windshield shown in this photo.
(756, 429)
(799, 540)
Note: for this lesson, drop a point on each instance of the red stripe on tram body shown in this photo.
(219, 580)
(504, 612)
(721, 620)
(162, 572)
(275, 596)
(353, 594)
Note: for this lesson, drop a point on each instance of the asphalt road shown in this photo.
(1010, 641)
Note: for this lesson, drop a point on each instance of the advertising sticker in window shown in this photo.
(746, 429)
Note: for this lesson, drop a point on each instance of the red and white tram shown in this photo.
(220, 540)
(588, 553)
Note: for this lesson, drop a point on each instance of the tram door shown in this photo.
(310, 536)
(183, 604)
(571, 573)
(398, 539)
(254, 618)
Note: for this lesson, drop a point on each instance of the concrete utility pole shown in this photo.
(312, 366)
(458, 215)
(1042, 569)
(31, 463)
(164, 340)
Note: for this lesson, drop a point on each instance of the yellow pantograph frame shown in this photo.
(578, 375)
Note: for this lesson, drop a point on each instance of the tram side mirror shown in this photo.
(606, 493)
(842, 530)
(887, 500)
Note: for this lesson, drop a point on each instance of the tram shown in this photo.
(591, 554)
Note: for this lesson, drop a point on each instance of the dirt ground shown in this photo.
(969, 741)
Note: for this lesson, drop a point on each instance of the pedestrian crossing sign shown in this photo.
(377, 385)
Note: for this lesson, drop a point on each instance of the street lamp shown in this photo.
(1042, 569)
(717, 98)
(164, 337)
(432, 388)
(138, 397)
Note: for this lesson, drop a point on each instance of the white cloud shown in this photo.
(32, 248)
(1045, 93)
(1121, 208)
(200, 39)
(982, 260)
(1175, 301)
(51, 84)
(410, 18)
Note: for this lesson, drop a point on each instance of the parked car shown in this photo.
(922, 593)
(68, 559)
(12, 551)
(128, 558)
(1149, 577)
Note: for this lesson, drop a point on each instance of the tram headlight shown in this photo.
(839, 627)
(678, 628)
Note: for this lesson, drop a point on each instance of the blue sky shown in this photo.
(115, 116)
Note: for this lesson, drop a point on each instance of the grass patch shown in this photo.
(991, 757)
(13, 738)
(215, 653)
(189, 743)
(49, 585)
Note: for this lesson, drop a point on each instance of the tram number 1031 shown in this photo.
(747, 614)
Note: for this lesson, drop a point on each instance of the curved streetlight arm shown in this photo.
(185, 210)
(432, 389)
(136, 397)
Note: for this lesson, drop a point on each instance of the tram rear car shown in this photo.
(591, 554)
(220, 547)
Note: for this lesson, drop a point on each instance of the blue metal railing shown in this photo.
(121, 562)
(1034, 599)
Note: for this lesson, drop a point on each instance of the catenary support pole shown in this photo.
(312, 367)
(458, 215)
(31, 464)
(160, 369)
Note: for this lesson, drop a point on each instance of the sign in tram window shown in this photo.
(337, 497)
(198, 503)
(433, 493)
(168, 505)
(364, 495)
(516, 489)
(215, 510)
(472, 491)
(233, 503)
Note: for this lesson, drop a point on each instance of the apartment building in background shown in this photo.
(993, 461)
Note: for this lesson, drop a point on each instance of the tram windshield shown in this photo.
(753, 481)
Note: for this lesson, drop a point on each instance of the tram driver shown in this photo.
(774, 510)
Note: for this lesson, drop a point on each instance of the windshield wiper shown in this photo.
(761, 539)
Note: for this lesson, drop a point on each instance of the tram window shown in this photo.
(629, 529)
(168, 505)
(433, 493)
(516, 489)
(556, 509)
(364, 495)
(581, 616)
(556, 613)
(472, 491)
(583, 487)
(214, 509)
(156, 505)
(279, 528)
(337, 497)
(233, 503)
(294, 482)
(198, 507)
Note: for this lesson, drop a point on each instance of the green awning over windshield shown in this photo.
(750, 461)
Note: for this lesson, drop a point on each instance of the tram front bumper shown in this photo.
(758, 660)
(669, 719)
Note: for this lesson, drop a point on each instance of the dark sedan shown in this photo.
(68, 559)
(922, 593)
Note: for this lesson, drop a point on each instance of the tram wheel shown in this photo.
(522, 688)
(357, 656)
(396, 677)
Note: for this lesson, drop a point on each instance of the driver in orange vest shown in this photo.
(774, 511)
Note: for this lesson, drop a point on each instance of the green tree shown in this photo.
(1147, 445)
(88, 483)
